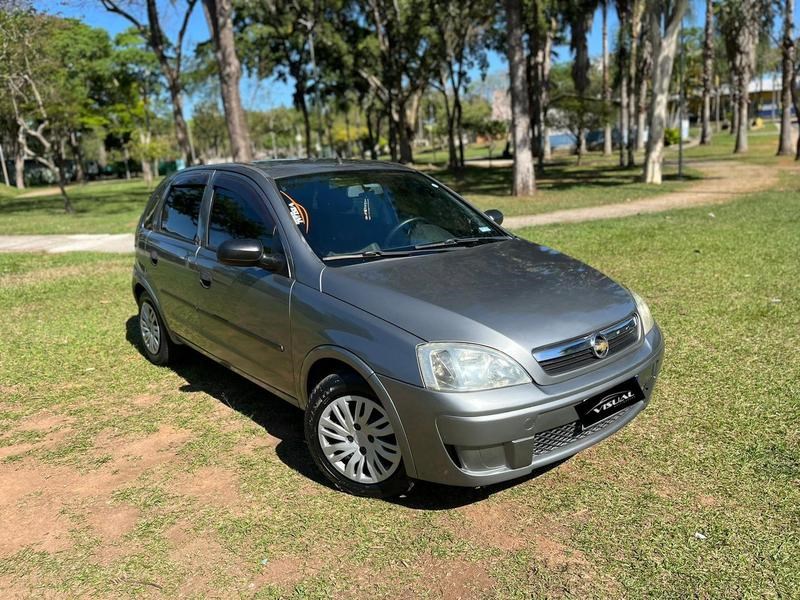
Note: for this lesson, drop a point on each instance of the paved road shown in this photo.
(118, 243)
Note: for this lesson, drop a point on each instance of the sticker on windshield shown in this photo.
(298, 212)
(484, 229)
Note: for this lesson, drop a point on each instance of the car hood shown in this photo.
(489, 294)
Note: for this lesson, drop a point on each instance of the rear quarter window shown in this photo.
(181, 211)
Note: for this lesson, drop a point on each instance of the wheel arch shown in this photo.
(324, 360)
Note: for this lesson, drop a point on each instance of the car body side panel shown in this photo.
(321, 320)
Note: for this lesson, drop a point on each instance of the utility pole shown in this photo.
(681, 98)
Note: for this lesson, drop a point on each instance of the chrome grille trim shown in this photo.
(577, 353)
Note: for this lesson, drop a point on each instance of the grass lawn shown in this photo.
(101, 207)
(118, 478)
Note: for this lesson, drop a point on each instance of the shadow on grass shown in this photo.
(559, 176)
(285, 422)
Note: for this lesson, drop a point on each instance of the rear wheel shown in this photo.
(352, 440)
(155, 340)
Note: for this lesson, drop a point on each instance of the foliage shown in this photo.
(672, 136)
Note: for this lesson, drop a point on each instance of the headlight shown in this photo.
(644, 313)
(454, 367)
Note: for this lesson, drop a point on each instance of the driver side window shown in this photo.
(237, 212)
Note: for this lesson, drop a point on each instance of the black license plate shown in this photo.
(613, 400)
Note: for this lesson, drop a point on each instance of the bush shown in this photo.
(672, 136)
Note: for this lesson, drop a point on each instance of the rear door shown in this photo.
(172, 246)
(244, 311)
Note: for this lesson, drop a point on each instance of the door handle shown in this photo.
(154, 257)
(205, 280)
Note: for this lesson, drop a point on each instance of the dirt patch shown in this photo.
(112, 522)
(490, 524)
(210, 485)
(36, 498)
(287, 571)
(456, 579)
(54, 435)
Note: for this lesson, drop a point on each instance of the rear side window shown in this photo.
(237, 212)
(182, 210)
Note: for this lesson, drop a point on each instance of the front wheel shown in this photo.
(352, 440)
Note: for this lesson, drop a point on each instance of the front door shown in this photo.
(171, 248)
(244, 311)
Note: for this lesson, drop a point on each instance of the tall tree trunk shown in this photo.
(708, 72)
(77, 154)
(665, 46)
(62, 177)
(19, 168)
(523, 178)
(547, 63)
(220, 23)
(181, 128)
(452, 156)
(636, 31)
(607, 141)
(623, 14)
(785, 146)
(3, 165)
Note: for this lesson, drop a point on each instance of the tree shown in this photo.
(170, 58)
(403, 67)
(220, 23)
(607, 141)
(138, 88)
(665, 46)
(624, 8)
(708, 73)
(788, 75)
(741, 22)
(53, 71)
(580, 14)
(523, 181)
(459, 42)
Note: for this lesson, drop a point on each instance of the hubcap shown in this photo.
(151, 332)
(358, 440)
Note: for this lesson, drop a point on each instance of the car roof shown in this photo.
(277, 169)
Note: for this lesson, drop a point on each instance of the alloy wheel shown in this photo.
(151, 331)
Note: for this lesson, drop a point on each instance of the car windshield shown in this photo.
(372, 212)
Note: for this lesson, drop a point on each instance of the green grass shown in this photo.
(224, 499)
(101, 207)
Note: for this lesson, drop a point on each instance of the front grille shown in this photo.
(577, 353)
(563, 435)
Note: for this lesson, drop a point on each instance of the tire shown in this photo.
(156, 345)
(342, 415)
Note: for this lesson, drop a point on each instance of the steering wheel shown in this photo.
(397, 228)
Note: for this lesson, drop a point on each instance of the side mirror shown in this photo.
(240, 253)
(274, 263)
(495, 215)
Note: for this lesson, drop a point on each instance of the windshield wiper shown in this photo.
(463, 241)
(367, 254)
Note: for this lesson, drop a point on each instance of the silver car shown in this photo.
(421, 340)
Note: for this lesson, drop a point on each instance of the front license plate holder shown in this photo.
(611, 401)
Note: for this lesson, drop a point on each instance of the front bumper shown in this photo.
(480, 438)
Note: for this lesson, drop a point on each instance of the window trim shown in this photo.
(263, 203)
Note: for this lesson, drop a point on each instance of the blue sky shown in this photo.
(265, 94)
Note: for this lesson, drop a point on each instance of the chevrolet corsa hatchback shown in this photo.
(421, 339)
